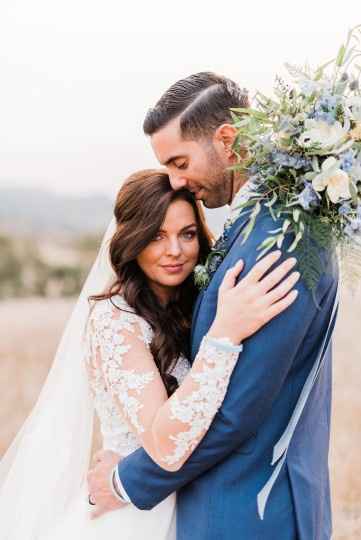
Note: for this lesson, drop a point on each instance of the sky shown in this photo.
(77, 77)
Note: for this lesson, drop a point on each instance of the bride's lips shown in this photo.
(173, 268)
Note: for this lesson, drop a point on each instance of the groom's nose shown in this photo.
(177, 182)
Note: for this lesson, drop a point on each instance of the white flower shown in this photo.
(322, 133)
(334, 179)
(354, 104)
(301, 117)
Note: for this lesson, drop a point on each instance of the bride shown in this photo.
(124, 355)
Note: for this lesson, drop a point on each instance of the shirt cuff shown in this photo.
(224, 343)
(117, 487)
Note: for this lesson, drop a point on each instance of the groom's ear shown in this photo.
(224, 137)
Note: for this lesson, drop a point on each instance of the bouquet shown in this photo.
(304, 161)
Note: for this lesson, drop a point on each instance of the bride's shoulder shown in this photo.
(117, 313)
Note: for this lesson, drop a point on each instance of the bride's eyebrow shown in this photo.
(184, 228)
(188, 226)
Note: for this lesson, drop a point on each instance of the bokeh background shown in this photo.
(76, 80)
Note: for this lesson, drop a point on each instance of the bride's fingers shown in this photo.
(231, 275)
(274, 277)
(280, 306)
(282, 289)
(261, 268)
(105, 456)
(98, 457)
(96, 513)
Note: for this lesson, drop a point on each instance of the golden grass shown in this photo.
(29, 333)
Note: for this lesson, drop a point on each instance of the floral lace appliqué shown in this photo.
(110, 326)
(198, 409)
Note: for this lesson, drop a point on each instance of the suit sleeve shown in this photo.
(256, 382)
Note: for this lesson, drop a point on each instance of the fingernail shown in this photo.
(292, 261)
(296, 274)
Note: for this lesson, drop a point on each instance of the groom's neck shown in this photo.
(238, 181)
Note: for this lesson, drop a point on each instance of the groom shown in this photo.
(192, 135)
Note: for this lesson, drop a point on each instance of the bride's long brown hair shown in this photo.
(140, 210)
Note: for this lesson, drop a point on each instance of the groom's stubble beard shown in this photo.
(219, 181)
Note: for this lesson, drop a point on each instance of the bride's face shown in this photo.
(169, 259)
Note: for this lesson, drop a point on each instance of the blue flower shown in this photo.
(347, 160)
(325, 116)
(325, 108)
(345, 209)
(353, 228)
(295, 161)
(308, 198)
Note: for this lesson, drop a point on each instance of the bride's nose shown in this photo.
(174, 247)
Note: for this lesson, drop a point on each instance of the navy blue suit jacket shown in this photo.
(218, 485)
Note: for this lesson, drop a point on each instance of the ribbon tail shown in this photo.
(263, 495)
(283, 443)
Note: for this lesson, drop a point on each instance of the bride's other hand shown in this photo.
(245, 307)
(105, 455)
(99, 478)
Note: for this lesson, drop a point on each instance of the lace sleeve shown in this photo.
(168, 429)
(185, 418)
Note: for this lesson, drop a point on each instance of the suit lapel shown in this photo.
(234, 233)
(236, 229)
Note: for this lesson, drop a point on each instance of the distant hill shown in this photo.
(42, 213)
(39, 212)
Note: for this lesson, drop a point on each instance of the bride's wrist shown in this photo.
(219, 331)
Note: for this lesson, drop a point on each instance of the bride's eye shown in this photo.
(189, 235)
(157, 237)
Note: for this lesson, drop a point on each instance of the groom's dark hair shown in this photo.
(202, 101)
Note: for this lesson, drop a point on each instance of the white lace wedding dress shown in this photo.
(129, 398)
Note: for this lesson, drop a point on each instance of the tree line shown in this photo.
(25, 270)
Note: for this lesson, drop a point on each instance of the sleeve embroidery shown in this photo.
(111, 338)
(200, 407)
(168, 429)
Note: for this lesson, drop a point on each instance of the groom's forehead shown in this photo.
(167, 142)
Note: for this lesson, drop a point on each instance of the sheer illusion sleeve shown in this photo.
(168, 429)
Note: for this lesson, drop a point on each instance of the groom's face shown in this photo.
(197, 165)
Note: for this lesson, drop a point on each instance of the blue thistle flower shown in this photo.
(308, 198)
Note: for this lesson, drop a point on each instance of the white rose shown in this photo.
(333, 179)
(318, 131)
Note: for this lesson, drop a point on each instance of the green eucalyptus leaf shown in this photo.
(272, 242)
(340, 56)
(295, 243)
(296, 215)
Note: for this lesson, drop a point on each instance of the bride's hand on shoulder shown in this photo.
(244, 307)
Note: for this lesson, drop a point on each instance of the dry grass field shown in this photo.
(30, 330)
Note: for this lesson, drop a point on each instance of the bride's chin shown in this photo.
(173, 281)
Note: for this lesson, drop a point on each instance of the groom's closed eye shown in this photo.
(181, 164)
